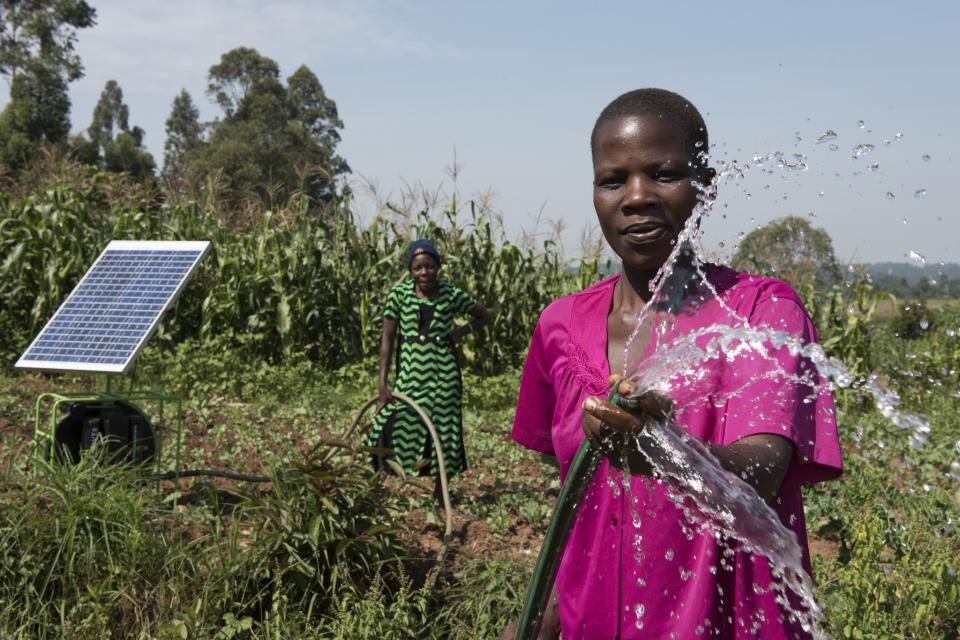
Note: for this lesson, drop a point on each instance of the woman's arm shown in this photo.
(481, 316)
(762, 460)
(549, 625)
(386, 354)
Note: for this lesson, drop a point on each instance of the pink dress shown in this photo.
(670, 581)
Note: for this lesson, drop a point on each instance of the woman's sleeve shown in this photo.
(462, 301)
(392, 308)
(536, 403)
(781, 393)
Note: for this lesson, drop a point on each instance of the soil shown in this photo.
(471, 535)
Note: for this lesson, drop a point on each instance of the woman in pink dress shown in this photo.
(634, 565)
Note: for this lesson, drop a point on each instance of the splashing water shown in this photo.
(827, 136)
(712, 499)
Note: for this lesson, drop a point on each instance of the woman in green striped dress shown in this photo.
(419, 316)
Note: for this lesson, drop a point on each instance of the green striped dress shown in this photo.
(428, 372)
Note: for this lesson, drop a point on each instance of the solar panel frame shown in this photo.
(133, 337)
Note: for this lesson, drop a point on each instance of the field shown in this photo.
(883, 537)
(273, 357)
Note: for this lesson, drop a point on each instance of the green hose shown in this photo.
(545, 572)
(568, 504)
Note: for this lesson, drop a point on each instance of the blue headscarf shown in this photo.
(420, 247)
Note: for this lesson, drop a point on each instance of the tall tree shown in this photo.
(792, 249)
(37, 115)
(184, 133)
(273, 139)
(241, 71)
(112, 144)
(42, 31)
(37, 57)
(310, 106)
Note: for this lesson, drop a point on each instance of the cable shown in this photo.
(209, 473)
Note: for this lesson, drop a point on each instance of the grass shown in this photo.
(334, 550)
(84, 548)
(232, 561)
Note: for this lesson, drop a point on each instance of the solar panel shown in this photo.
(111, 313)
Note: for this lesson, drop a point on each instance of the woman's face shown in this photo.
(642, 188)
(424, 271)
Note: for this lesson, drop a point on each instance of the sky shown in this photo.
(511, 89)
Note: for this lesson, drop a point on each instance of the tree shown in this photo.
(37, 115)
(112, 144)
(42, 31)
(110, 112)
(792, 249)
(273, 139)
(184, 136)
(37, 57)
(317, 114)
(239, 72)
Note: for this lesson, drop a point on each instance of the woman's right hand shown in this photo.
(601, 418)
(383, 397)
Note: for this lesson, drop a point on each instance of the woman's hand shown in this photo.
(386, 355)
(383, 397)
(509, 632)
(549, 626)
(602, 418)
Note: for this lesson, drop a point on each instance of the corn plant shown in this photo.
(298, 280)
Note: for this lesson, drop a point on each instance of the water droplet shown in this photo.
(891, 195)
(861, 124)
(638, 611)
(668, 555)
(904, 221)
(827, 136)
(926, 157)
(834, 147)
(873, 167)
(917, 257)
(920, 194)
(698, 144)
(899, 136)
(862, 149)
(886, 142)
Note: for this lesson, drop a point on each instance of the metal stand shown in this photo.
(49, 409)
